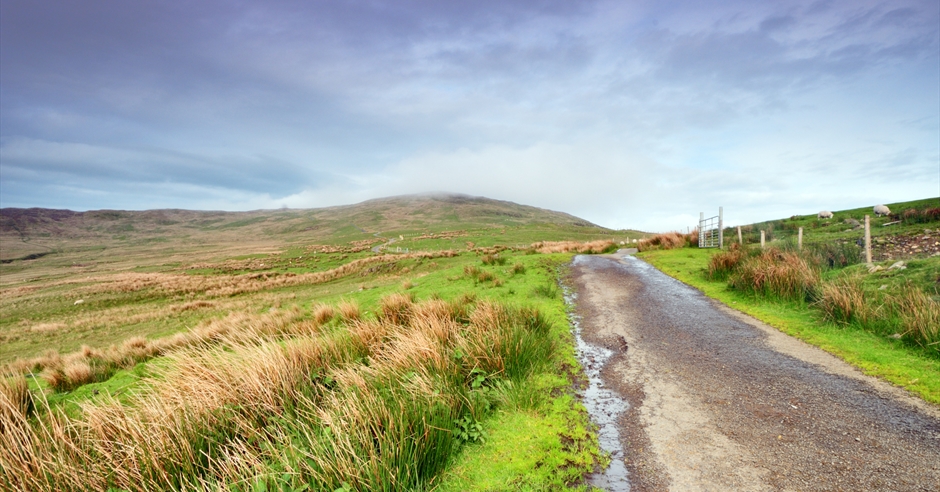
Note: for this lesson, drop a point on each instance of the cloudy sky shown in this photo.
(631, 114)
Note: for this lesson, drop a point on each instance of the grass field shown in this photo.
(267, 348)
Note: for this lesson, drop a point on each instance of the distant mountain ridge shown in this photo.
(25, 231)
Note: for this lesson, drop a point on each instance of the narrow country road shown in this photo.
(720, 402)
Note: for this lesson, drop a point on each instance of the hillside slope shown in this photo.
(35, 231)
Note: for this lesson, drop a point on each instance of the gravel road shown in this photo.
(719, 401)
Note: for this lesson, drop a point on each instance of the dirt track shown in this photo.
(719, 401)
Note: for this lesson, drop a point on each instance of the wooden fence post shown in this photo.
(799, 240)
(761, 239)
(740, 240)
(867, 240)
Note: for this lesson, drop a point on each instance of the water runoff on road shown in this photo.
(603, 405)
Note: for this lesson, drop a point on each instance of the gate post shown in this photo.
(721, 228)
(761, 239)
(799, 241)
(701, 226)
(867, 240)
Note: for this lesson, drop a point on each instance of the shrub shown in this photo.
(518, 268)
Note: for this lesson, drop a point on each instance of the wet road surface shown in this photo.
(718, 401)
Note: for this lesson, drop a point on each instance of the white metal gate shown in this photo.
(710, 230)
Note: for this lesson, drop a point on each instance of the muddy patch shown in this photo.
(603, 404)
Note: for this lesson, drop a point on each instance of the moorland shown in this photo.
(405, 343)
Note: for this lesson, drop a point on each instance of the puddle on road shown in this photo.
(603, 405)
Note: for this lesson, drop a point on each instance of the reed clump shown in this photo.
(917, 315)
(372, 404)
(843, 300)
(772, 272)
(723, 263)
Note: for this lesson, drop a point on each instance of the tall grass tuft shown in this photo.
(783, 274)
(843, 300)
(16, 401)
(323, 313)
(395, 308)
(918, 315)
(348, 310)
(723, 263)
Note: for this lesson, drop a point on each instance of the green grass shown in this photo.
(892, 360)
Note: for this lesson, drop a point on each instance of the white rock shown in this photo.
(80, 301)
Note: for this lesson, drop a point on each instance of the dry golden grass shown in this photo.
(348, 310)
(86, 365)
(723, 263)
(323, 313)
(16, 401)
(587, 247)
(216, 416)
(667, 240)
(843, 300)
(785, 274)
(395, 308)
(919, 316)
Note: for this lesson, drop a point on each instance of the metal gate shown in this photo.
(710, 230)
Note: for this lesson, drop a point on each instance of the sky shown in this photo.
(630, 114)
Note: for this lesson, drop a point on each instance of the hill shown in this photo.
(35, 232)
